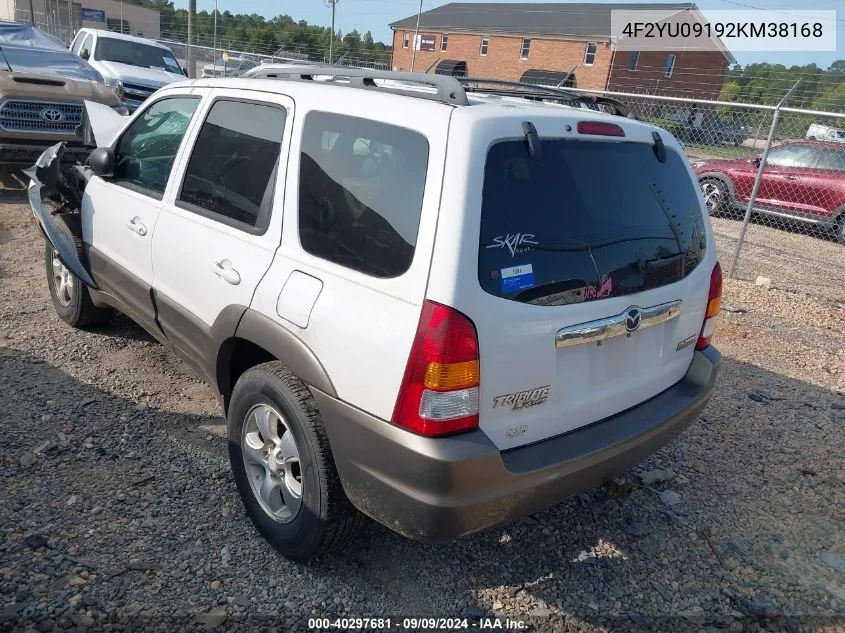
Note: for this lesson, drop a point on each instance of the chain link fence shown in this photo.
(773, 179)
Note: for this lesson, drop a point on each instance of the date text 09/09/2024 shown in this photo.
(416, 624)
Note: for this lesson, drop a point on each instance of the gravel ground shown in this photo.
(118, 509)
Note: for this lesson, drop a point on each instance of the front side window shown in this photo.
(444, 43)
(553, 232)
(670, 66)
(361, 186)
(232, 169)
(792, 156)
(145, 153)
(526, 46)
(85, 51)
(485, 44)
(590, 53)
(135, 54)
(406, 40)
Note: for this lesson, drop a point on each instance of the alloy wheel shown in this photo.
(63, 281)
(271, 460)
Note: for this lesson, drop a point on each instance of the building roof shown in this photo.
(578, 19)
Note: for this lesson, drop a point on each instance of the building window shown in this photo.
(485, 44)
(426, 43)
(590, 53)
(444, 43)
(670, 66)
(526, 46)
(406, 40)
(633, 60)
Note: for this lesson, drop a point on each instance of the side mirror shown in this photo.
(85, 54)
(756, 161)
(101, 161)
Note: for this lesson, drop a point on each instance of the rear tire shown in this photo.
(70, 296)
(285, 473)
(717, 197)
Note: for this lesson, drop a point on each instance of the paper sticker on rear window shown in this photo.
(517, 278)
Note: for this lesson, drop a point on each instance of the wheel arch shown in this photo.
(259, 339)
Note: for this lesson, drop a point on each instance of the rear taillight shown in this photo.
(714, 304)
(600, 128)
(439, 393)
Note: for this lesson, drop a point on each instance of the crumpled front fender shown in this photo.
(46, 173)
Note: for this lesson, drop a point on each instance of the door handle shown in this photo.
(137, 226)
(224, 270)
(793, 178)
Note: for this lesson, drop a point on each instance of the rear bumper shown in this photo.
(436, 489)
(13, 153)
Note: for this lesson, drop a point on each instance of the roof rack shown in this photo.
(447, 89)
(540, 93)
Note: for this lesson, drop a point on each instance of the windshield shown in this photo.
(585, 221)
(110, 49)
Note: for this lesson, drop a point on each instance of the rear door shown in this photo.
(217, 234)
(589, 262)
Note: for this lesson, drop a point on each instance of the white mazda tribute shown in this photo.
(440, 304)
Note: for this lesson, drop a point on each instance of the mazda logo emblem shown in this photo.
(52, 115)
(633, 317)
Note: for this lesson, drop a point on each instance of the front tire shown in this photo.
(716, 196)
(283, 465)
(840, 229)
(70, 296)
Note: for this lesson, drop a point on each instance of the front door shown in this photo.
(119, 213)
(218, 232)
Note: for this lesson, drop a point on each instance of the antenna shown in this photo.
(332, 4)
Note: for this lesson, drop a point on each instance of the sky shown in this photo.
(375, 15)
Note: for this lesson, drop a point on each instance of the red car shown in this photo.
(803, 181)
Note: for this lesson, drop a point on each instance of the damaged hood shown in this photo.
(100, 125)
(26, 49)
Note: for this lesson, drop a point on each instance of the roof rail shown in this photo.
(447, 89)
(534, 91)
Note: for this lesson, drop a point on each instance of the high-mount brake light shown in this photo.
(439, 393)
(599, 128)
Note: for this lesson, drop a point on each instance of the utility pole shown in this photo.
(215, 30)
(69, 21)
(121, 16)
(416, 37)
(332, 4)
(189, 54)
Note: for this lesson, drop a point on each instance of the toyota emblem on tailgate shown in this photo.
(52, 115)
(632, 318)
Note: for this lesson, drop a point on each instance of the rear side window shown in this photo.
(585, 221)
(232, 169)
(361, 187)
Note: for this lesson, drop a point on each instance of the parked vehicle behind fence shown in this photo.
(229, 66)
(819, 132)
(440, 340)
(42, 89)
(803, 181)
(134, 67)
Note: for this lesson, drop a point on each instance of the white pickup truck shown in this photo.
(134, 67)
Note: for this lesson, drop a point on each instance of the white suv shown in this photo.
(134, 67)
(443, 308)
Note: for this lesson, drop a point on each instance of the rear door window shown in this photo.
(585, 221)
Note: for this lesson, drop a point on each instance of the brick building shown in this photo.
(551, 43)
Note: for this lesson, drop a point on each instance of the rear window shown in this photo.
(585, 221)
